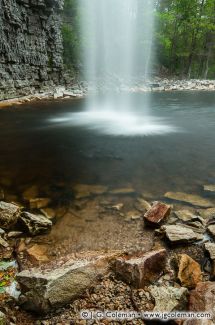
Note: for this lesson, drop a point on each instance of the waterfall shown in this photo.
(117, 42)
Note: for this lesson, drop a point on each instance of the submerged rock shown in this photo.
(9, 214)
(39, 203)
(84, 190)
(187, 216)
(189, 271)
(179, 234)
(45, 290)
(168, 298)
(142, 205)
(209, 188)
(31, 193)
(143, 270)
(123, 190)
(192, 199)
(35, 224)
(157, 213)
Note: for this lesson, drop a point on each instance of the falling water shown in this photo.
(117, 42)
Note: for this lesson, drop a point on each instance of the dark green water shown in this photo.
(36, 150)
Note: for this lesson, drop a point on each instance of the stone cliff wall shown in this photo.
(30, 46)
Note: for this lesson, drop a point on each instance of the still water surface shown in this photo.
(44, 144)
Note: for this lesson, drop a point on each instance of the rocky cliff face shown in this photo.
(30, 46)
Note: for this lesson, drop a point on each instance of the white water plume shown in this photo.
(117, 48)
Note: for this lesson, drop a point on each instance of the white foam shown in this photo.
(117, 123)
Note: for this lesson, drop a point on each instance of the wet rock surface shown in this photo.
(157, 213)
(35, 224)
(9, 214)
(189, 198)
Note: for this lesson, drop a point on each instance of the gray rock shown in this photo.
(179, 234)
(9, 214)
(207, 213)
(192, 199)
(211, 230)
(169, 298)
(35, 224)
(210, 248)
(44, 290)
(187, 216)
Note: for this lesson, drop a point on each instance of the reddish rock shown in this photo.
(143, 270)
(158, 212)
(203, 299)
(189, 271)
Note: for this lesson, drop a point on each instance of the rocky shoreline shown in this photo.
(170, 269)
(80, 90)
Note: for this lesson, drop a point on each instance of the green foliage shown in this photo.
(71, 35)
(184, 36)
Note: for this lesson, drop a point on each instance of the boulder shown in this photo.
(35, 224)
(157, 213)
(189, 271)
(45, 290)
(192, 199)
(9, 214)
(203, 299)
(179, 234)
(143, 270)
(211, 230)
(168, 298)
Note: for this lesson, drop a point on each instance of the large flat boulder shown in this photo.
(192, 199)
(45, 290)
(9, 214)
(143, 270)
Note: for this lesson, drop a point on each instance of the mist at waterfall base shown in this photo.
(117, 48)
